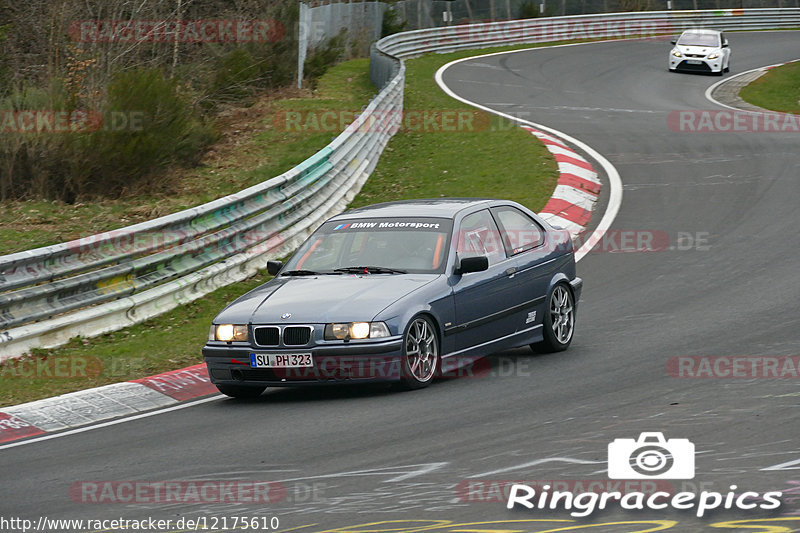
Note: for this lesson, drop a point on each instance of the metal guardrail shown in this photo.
(110, 280)
(612, 25)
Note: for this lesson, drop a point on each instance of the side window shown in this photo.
(478, 235)
(518, 231)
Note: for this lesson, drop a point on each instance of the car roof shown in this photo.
(427, 207)
(703, 30)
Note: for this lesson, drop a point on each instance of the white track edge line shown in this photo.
(615, 182)
(731, 78)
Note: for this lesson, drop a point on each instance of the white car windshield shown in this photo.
(699, 39)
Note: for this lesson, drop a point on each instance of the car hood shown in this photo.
(322, 299)
(697, 50)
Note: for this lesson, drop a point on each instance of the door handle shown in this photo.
(511, 271)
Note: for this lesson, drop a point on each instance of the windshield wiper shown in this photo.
(300, 272)
(369, 270)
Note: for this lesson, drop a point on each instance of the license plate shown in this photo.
(694, 62)
(280, 360)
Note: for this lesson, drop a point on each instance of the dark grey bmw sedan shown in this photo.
(402, 291)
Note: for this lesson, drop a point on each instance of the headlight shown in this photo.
(677, 53)
(355, 330)
(713, 55)
(231, 332)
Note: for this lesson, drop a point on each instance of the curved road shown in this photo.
(356, 456)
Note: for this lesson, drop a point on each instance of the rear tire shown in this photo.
(559, 321)
(420, 353)
(241, 392)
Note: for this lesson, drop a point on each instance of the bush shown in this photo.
(529, 9)
(146, 126)
(235, 72)
(391, 22)
(323, 57)
(245, 70)
(29, 160)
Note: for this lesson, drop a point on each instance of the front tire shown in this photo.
(241, 392)
(420, 353)
(559, 320)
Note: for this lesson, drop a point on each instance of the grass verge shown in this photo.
(777, 90)
(480, 156)
(494, 158)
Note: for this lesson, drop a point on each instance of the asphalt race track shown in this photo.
(726, 285)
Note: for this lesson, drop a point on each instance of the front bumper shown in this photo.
(697, 65)
(229, 364)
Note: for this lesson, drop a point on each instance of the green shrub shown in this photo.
(146, 127)
(236, 71)
(529, 9)
(29, 160)
(246, 70)
(325, 56)
(391, 22)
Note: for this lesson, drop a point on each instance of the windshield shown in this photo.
(699, 39)
(416, 245)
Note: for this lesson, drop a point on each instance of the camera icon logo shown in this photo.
(651, 457)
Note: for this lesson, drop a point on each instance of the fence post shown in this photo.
(303, 23)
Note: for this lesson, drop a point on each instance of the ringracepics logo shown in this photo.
(651, 456)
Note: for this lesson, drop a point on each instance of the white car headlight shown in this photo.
(231, 332)
(356, 330)
(677, 53)
(713, 55)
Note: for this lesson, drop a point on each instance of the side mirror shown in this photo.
(725, 45)
(472, 264)
(273, 267)
(674, 41)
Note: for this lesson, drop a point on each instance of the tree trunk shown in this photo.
(178, 16)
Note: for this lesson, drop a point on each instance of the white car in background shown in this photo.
(700, 51)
